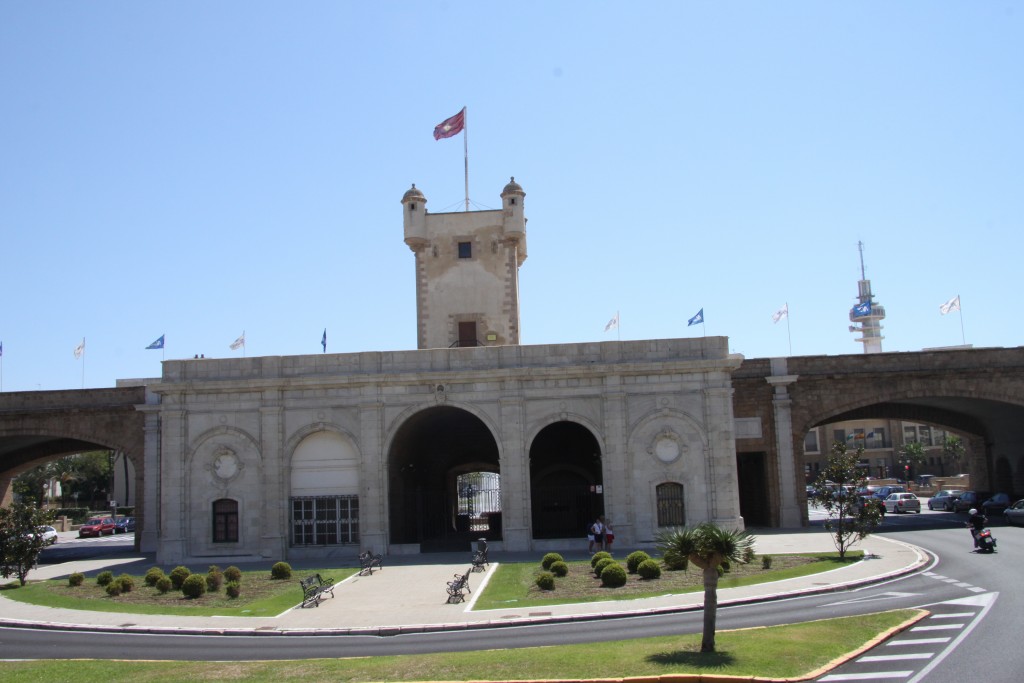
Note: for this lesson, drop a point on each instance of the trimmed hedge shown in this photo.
(545, 581)
(634, 559)
(194, 586)
(281, 570)
(559, 568)
(598, 556)
(613, 575)
(649, 569)
(601, 564)
(550, 559)
(178, 576)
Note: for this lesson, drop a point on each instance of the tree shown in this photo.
(911, 455)
(20, 544)
(707, 546)
(848, 518)
(953, 448)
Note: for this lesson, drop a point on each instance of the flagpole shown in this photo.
(465, 149)
(83, 362)
(618, 327)
(789, 335)
(960, 309)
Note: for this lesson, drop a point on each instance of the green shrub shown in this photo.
(649, 569)
(559, 568)
(76, 579)
(214, 580)
(545, 581)
(634, 559)
(104, 578)
(281, 570)
(214, 569)
(726, 566)
(164, 584)
(233, 589)
(601, 564)
(598, 556)
(613, 575)
(675, 561)
(766, 562)
(233, 573)
(550, 559)
(127, 583)
(178, 576)
(194, 586)
(113, 589)
(152, 576)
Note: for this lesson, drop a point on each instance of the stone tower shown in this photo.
(467, 271)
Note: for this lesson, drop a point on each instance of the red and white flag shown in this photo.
(450, 127)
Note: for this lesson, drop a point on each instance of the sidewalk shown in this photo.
(405, 597)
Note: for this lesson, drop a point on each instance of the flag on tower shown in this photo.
(80, 349)
(697, 319)
(950, 306)
(780, 314)
(450, 126)
(158, 344)
(613, 323)
(238, 343)
(862, 309)
(323, 342)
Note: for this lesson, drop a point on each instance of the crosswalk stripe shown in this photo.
(918, 641)
(939, 627)
(875, 676)
(894, 658)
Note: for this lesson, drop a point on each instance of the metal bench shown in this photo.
(313, 589)
(480, 558)
(458, 587)
(367, 561)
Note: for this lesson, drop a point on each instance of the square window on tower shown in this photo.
(465, 250)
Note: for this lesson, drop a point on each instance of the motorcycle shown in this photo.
(985, 542)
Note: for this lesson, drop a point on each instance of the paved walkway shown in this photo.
(408, 595)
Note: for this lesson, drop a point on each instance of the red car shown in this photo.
(97, 526)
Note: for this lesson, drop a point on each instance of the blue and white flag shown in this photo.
(862, 309)
(158, 344)
(323, 342)
(697, 319)
(613, 323)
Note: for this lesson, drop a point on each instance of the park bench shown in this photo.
(367, 561)
(458, 587)
(313, 589)
(480, 558)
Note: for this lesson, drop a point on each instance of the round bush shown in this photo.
(194, 586)
(214, 580)
(559, 568)
(550, 559)
(113, 589)
(152, 576)
(601, 564)
(634, 559)
(613, 575)
(675, 561)
(545, 581)
(127, 583)
(104, 578)
(233, 573)
(178, 576)
(649, 569)
(76, 579)
(598, 556)
(766, 562)
(281, 570)
(233, 589)
(164, 584)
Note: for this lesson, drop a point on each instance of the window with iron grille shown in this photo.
(225, 521)
(325, 520)
(670, 504)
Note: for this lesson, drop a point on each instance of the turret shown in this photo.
(513, 218)
(414, 219)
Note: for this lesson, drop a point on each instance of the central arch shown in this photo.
(566, 484)
(443, 475)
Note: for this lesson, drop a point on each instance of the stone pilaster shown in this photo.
(782, 408)
(515, 470)
(373, 479)
(273, 513)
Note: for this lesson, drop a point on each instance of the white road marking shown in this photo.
(893, 658)
(876, 676)
(918, 641)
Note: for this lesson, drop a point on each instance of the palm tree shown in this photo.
(708, 545)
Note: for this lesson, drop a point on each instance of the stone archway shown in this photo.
(429, 458)
(566, 481)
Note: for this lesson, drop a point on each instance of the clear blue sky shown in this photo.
(197, 169)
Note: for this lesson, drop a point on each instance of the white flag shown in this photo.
(80, 349)
(950, 306)
(780, 314)
(613, 323)
(238, 343)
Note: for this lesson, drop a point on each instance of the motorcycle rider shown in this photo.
(976, 522)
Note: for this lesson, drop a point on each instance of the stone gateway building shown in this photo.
(472, 435)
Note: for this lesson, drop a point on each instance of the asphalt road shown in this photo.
(975, 598)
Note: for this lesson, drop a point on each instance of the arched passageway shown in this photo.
(566, 483)
(443, 481)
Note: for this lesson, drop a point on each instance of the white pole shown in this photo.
(465, 149)
(963, 337)
(789, 336)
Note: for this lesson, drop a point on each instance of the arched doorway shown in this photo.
(566, 484)
(444, 483)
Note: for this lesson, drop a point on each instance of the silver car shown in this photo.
(1015, 513)
(902, 502)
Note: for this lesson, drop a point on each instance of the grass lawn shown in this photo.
(512, 585)
(775, 652)
(260, 596)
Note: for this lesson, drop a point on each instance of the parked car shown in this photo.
(902, 502)
(969, 499)
(48, 533)
(884, 492)
(1015, 513)
(97, 526)
(944, 500)
(124, 525)
(996, 505)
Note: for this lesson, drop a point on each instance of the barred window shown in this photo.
(670, 505)
(225, 521)
(325, 520)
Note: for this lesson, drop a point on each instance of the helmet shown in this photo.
(974, 511)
